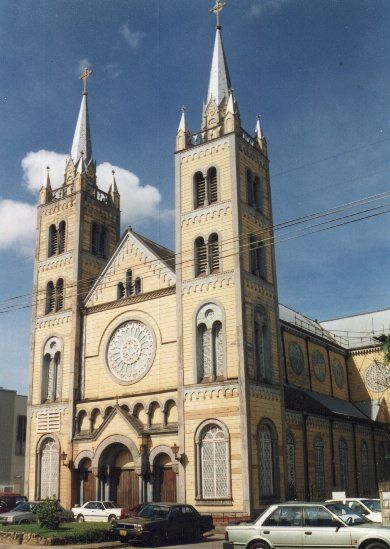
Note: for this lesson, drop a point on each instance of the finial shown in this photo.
(84, 77)
(113, 172)
(47, 182)
(258, 131)
(219, 5)
(183, 109)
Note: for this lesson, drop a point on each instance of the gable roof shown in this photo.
(160, 259)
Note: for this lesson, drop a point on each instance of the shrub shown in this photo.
(47, 514)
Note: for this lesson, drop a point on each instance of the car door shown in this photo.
(284, 527)
(89, 511)
(101, 513)
(190, 522)
(175, 527)
(321, 529)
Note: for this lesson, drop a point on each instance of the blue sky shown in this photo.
(317, 71)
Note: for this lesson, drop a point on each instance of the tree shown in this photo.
(384, 340)
(48, 514)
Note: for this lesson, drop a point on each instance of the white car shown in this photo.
(370, 508)
(97, 511)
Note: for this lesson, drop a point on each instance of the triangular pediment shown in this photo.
(119, 421)
(150, 262)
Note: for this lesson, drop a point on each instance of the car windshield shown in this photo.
(23, 506)
(158, 511)
(340, 509)
(108, 505)
(372, 504)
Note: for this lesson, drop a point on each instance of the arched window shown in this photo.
(59, 294)
(51, 370)
(343, 456)
(129, 282)
(53, 240)
(268, 459)
(95, 238)
(249, 187)
(212, 185)
(291, 468)
(61, 237)
(137, 286)
(257, 257)
(365, 470)
(49, 464)
(319, 467)
(262, 347)
(257, 194)
(213, 253)
(200, 257)
(50, 297)
(103, 242)
(213, 467)
(199, 190)
(210, 344)
(121, 290)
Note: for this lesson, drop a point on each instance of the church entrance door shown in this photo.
(164, 480)
(127, 489)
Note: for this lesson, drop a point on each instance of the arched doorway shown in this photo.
(164, 479)
(118, 480)
(87, 481)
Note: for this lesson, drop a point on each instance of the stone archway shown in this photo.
(164, 475)
(86, 481)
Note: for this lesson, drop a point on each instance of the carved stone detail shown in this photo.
(377, 377)
(208, 282)
(207, 213)
(130, 351)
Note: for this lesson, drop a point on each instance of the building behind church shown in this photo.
(160, 375)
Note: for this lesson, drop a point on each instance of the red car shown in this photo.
(132, 512)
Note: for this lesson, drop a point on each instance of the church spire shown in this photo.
(219, 83)
(82, 146)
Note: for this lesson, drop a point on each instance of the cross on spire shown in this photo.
(84, 77)
(219, 5)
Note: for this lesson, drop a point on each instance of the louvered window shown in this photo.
(95, 238)
(210, 343)
(343, 456)
(266, 461)
(137, 286)
(50, 297)
(49, 469)
(365, 468)
(53, 240)
(257, 259)
(259, 349)
(319, 466)
(129, 282)
(257, 194)
(291, 468)
(103, 242)
(249, 187)
(199, 190)
(214, 463)
(200, 256)
(212, 184)
(213, 253)
(59, 294)
(121, 290)
(61, 237)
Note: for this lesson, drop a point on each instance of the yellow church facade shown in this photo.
(175, 376)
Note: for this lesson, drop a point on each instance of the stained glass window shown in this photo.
(214, 462)
(291, 476)
(49, 469)
(343, 455)
(319, 465)
(267, 460)
(365, 468)
(210, 346)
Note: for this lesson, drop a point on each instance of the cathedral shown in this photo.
(160, 375)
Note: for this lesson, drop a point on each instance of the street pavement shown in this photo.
(212, 542)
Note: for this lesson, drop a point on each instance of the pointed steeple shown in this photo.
(82, 145)
(183, 121)
(258, 131)
(113, 191)
(219, 83)
(47, 183)
(46, 193)
(182, 135)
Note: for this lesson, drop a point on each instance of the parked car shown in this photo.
(98, 511)
(158, 523)
(345, 512)
(370, 508)
(308, 525)
(133, 512)
(26, 512)
(9, 501)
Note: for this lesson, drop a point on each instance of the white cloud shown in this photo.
(17, 226)
(85, 62)
(34, 168)
(262, 6)
(138, 202)
(113, 70)
(133, 38)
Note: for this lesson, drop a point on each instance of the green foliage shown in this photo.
(47, 515)
(384, 340)
(74, 532)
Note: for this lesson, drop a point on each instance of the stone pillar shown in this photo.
(384, 494)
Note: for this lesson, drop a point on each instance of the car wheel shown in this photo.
(80, 518)
(259, 545)
(111, 518)
(24, 521)
(156, 538)
(376, 545)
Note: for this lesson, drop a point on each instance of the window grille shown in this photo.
(49, 470)
(257, 194)
(249, 187)
(213, 185)
(103, 242)
(53, 236)
(217, 349)
(95, 239)
(50, 297)
(266, 461)
(213, 253)
(214, 463)
(200, 190)
(61, 237)
(121, 290)
(365, 468)
(210, 344)
(137, 286)
(319, 465)
(59, 294)
(200, 256)
(48, 421)
(343, 456)
(291, 468)
(129, 283)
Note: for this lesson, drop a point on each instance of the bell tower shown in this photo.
(230, 386)
(77, 231)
